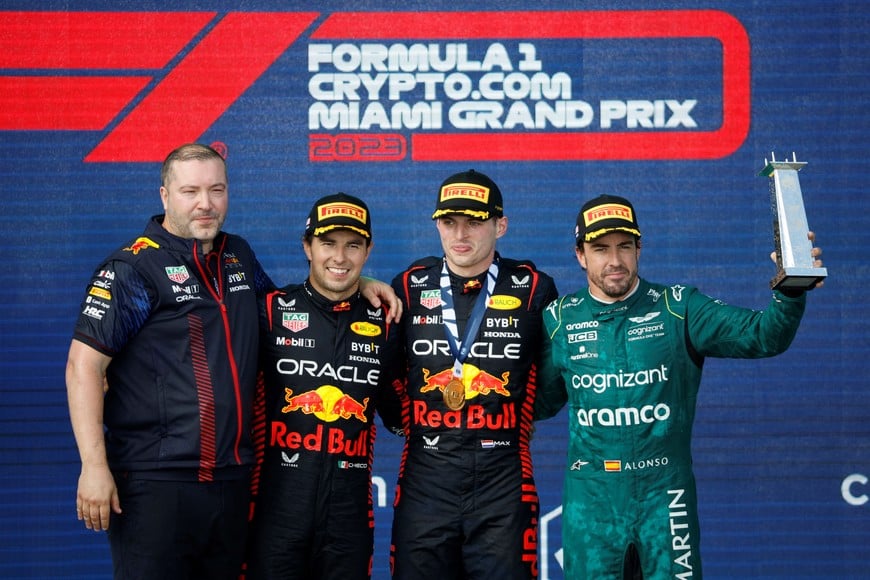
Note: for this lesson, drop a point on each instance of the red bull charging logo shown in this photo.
(328, 403)
(476, 381)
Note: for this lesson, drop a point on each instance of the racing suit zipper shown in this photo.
(216, 291)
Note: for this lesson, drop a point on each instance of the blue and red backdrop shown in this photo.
(673, 104)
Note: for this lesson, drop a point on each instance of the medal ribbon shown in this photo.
(460, 349)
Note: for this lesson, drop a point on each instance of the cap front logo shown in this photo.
(469, 191)
(606, 211)
(343, 209)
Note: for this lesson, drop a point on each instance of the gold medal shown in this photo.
(454, 394)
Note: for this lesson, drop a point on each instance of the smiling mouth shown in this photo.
(339, 271)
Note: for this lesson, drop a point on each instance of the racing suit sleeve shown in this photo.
(389, 399)
(262, 282)
(719, 330)
(125, 312)
(552, 394)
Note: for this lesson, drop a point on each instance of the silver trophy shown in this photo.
(794, 260)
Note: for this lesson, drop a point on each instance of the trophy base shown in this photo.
(798, 278)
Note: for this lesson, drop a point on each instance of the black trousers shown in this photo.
(182, 530)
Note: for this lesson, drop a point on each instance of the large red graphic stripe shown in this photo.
(198, 91)
(95, 40)
(64, 103)
(83, 41)
(499, 146)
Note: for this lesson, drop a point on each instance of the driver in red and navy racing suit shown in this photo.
(323, 351)
(631, 354)
(466, 503)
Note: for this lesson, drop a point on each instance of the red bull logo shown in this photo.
(437, 381)
(327, 403)
(472, 417)
(485, 383)
(141, 244)
(333, 439)
(476, 381)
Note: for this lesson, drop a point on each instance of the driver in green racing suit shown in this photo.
(631, 354)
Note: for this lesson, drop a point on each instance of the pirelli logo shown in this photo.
(606, 211)
(465, 191)
(350, 210)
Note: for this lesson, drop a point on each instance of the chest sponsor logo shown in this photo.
(480, 350)
(506, 327)
(430, 299)
(422, 319)
(623, 416)
(646, 326)
(364, 353)
(504, 302)
(365, 328)
(185, 293)
(294, 321)
(600, 382)
(231, 261)
(295, 342)
(586, 352)
(327, 403)
(339, 375)
(589, 336)
(582, 325)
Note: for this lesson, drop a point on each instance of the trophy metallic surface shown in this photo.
(794, 259)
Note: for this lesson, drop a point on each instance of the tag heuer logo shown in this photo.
(177, 274)
(295, 321)
(430, 298)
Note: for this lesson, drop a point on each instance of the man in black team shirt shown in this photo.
(165, 355)
(466, 503)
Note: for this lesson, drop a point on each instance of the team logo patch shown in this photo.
(177, 274)
(294, 321)
(430, 299)
(141, 244)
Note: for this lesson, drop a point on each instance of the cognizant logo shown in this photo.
(600, 382)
